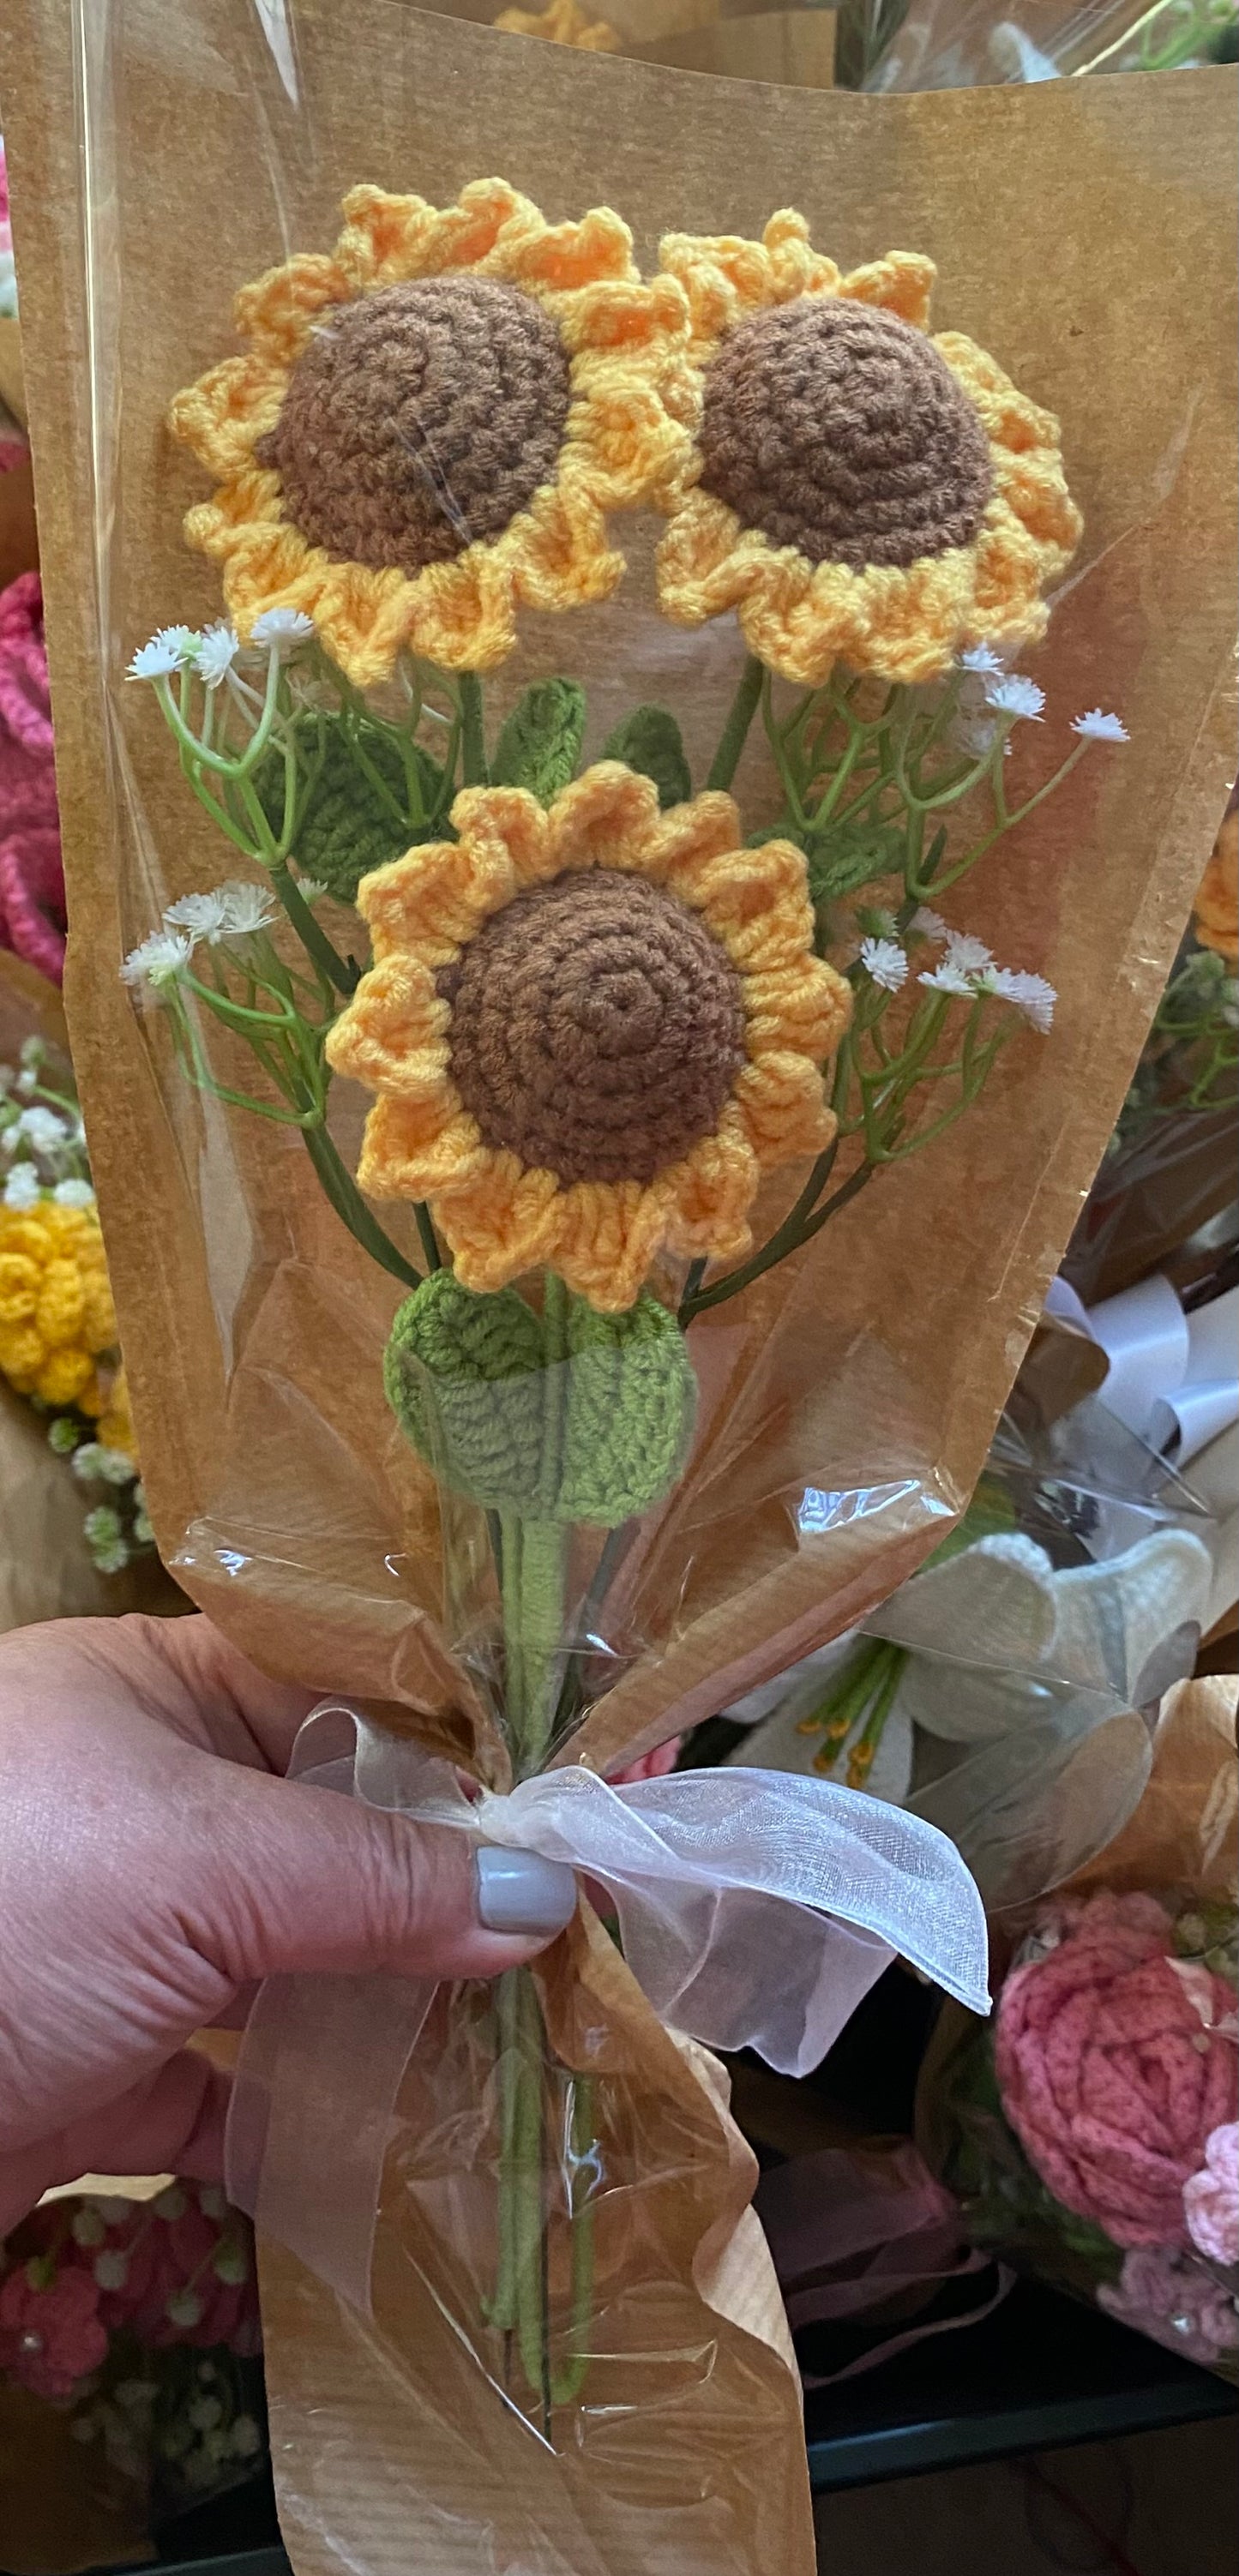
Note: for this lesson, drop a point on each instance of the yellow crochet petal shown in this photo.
(623, 316)
(505, 829)
(705, 561)
(413, 1149)
(220, 417)
(506, 1220)
(386, 238)
(621, 441)
(609, 1234)
(902, 283)
(714, 1187)
(460, 614)
(435, 898)
(686, 842)
(278, 312)
(757, 902)
(806, 1007)
(602, 819)
(563, 258)
(64, 1378)
(795, 268)
(395, 1038)
(783, 1105)
(564, 559)
(19, 1287)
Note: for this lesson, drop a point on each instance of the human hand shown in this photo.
(154, 1864)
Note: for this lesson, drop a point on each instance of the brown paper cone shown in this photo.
(855, 1392)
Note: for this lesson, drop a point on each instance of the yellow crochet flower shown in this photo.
(430, 424)
(856, 490)
(590, 1029)
(563, 23)
(116, 1429)
(56, 1313)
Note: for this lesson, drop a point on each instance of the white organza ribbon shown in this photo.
(755, 1908)
(1172, 1377)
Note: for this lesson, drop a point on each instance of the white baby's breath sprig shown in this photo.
(926, 924)
(311, 890)
(968, 955)
(169, 649)
(947, 979)
(281, 630)
(1097, 726)
(980, 657)
(23, 1188)
(1011, 693)
(885, 962)
(247, 908)
(1030, 994)
(159, 962)
(217, 651)
(201, 916)
(74, 1194)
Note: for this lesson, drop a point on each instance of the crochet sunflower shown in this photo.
(856, 489)
(430, 424)
(590, 1029)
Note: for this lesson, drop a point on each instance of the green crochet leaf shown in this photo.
(649, 740)
(355, 810)
(540, 744)
(463, 1376)
(848, 855)
(606, 1429)
(632, 1398)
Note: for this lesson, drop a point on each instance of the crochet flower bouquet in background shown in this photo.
(590, 1118)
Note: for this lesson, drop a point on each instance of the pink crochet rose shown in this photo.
(1115, 2063)
(1173, 2299)
(51, 2337)
(32, 889)
(1211, 2198)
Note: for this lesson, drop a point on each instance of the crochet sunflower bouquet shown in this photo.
(617, 1083)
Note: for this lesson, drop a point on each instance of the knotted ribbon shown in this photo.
(755, 1909)
(1171, 1375)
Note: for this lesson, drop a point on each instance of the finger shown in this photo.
(171, 2122)
(286, 1876)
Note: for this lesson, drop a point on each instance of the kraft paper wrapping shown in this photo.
(1082, 233)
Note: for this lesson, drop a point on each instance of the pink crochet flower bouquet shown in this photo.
(140, 2320)
(1094, 2128)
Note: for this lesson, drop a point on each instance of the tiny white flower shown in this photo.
(27, 1081)
(32, 1050)
(216, 654)
(158, 961)
(43, 1128)
(111, 2268)
(83, 2429)
(215, 2444)
(78, 1194)
(202, 915)
(113, 2208)
(212, 2201)
(885, 961)
(247, 907)
(947, 979)
(22, 1188)
(230, 2262)
(284, 628)
(1097, 726)
(168, 650)
(86, 2226)
(171, 2203)
(968, 954)
(1030, 994)
(928, 925)
(204, 2413)
(980, 657)
(1014, 695)
(136, 2396)
(86, 1461)
(245, 2439)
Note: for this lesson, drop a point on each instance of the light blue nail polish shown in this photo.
(519, 1891)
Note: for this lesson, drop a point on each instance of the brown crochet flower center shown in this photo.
(836, 428)
(597, 1027)
(420, 419)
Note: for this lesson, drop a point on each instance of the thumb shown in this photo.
(288, 1876)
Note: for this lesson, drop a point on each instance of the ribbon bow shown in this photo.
(755, 1910)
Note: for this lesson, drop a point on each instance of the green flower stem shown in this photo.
(567, 2384)
(849, 1694)
(473, 732)
(860, 1760)
(351, 1208)
(343, 977)
(735, 732)
(1006, 823)
(788, 1236)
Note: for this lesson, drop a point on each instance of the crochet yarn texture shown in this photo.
(420, 419)
(597, 1027)
(348, 824)
(594, 1433)
(598, 987)
(836, 428)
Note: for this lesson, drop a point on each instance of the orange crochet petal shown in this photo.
(714, 1191)
(609, 1234)
(503, 1221)
(601, 817)
(394, 1039)
(902, 283)
(278, 312)
(434, 899)
(783, 1104)
(507, 828)
(414, 1149)
(220, 417)
(757, 902)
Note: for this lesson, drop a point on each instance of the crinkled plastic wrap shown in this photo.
(1091, 2134)
(843, 1406)
(952, 44)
